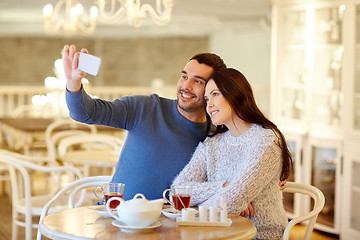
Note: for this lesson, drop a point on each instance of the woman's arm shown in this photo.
(194, 174)
(262, 167)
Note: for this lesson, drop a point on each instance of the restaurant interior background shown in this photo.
(284, 48)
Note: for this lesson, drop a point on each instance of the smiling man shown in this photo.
(162, 133)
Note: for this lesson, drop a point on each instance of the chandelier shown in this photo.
(68, 16)
(135, 13)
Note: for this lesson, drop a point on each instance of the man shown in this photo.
(162, 133)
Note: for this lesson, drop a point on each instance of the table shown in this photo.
(90, 158)
(21, 133)
(101, 158)
(84, 223)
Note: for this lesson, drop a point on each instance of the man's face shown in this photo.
(191, 87)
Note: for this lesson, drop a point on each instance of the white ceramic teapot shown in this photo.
(137, 212)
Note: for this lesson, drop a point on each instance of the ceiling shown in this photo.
(189, 18)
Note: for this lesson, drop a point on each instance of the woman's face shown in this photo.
(217, 106)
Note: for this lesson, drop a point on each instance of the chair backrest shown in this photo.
(90, 141)
(73, 188)
(20, 166)
(22, 198)
(62, 128)
(319, 202)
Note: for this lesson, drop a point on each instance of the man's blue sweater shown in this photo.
(159, 143)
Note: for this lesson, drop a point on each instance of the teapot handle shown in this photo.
(139, 195)
(110, 210)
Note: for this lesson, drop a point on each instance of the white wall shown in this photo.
(247, 48)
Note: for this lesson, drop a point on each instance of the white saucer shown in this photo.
(125, 228)
(102, 212)
(171, 213)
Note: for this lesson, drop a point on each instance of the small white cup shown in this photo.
(203, 213)
(188, 214)
(213, 214)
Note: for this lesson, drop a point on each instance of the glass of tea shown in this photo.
(180, 196)
(110, 190)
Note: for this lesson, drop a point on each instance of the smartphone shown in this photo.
(89, 63)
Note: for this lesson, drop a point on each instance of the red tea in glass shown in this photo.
(180, 201)
(114, 203)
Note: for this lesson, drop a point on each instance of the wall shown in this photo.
(132, 62)
(246, 48)
(138, 61)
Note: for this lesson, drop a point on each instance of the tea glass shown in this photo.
(180, 196)
(110, 190)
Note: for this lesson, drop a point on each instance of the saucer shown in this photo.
(171, 213)
(125, 228)
(102, 212)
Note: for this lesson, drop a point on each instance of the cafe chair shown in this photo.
(319, 202)
(72, 190)
(4, 177)
(26, 204)
(62, 128)
(90, 142)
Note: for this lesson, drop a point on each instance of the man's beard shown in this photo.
(190, 107)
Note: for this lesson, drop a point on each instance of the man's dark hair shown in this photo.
(210, 59)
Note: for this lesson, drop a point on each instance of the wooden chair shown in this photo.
(73, 189)
(62, 128)
(25, 204)
(319, 202)
(90, 142)
(4, 176)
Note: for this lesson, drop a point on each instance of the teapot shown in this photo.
(137, 212)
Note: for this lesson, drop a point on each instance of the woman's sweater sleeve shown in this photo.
(194, 174)
(263, 166)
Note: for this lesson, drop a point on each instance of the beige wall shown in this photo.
(29, 60)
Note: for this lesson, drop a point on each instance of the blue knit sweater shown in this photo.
(159, 143)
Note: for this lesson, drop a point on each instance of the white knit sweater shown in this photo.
(252, 164)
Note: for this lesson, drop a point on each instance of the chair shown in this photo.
(25, 204)
(73, 188)
(90, 142)
(62, 128)
(4, 176)
(319, 202)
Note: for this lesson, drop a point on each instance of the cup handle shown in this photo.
(109, 210)
(164, 196)
(96, 194)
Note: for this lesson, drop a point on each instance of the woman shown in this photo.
(241, 160)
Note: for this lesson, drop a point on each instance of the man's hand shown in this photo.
(282, 184)
(249, 212)
(70, 62)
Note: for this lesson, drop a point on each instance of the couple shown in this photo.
(241, 160)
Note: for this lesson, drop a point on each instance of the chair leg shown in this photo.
(14, 230)
(39, 235)
(28, 226)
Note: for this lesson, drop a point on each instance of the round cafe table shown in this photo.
(85, 223)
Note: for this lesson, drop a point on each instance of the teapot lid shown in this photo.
(140, 203)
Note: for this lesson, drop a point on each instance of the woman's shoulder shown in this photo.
(262, 131)
(262, 135)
